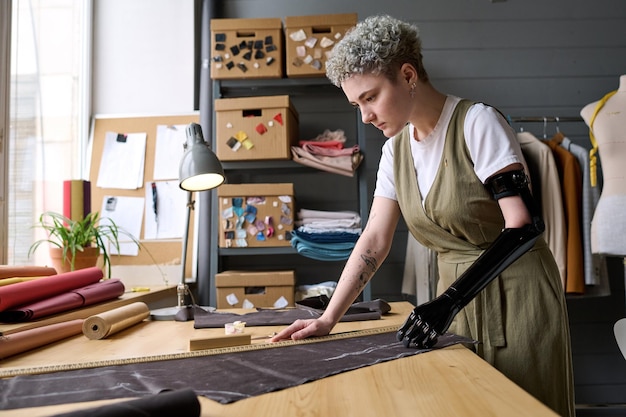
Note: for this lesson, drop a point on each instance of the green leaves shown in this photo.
(75, 235)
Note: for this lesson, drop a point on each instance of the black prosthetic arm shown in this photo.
(429, 320)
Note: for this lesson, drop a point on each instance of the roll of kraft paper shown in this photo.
(11, 271)
(26, 340)
(110, 322)
(38, 289)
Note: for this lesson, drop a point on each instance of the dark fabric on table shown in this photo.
(308, 308)
(80, 297)
(225, 378)
(181, 403)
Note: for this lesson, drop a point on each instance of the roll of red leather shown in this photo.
(80, 297)
(27, 292)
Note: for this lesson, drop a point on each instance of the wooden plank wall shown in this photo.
(528, 58)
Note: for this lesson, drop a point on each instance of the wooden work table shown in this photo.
(444, 382)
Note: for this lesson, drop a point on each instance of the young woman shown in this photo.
(455, 172)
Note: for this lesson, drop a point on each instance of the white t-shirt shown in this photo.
(491, 142)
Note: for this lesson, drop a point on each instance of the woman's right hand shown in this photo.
(301, 329)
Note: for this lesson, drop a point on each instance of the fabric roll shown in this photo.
(9, 281)
(26, 340)
(309, 308)
(27, 292)
(182, 403)
(110, 322)
(11, 271)
(80, 297)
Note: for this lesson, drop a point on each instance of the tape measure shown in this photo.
(192, 354)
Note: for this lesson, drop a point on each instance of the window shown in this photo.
(48, 111)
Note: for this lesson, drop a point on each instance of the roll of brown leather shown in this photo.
(11, 271)
(26, 340)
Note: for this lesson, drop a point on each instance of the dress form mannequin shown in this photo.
(608, 226)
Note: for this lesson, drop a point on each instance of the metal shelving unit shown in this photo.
(303, 87)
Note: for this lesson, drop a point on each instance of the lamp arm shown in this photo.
(182, 289)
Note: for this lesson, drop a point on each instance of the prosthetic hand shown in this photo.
(430, 320)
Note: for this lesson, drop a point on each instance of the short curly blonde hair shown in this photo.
(377, 45)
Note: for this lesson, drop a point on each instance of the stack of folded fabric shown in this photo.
(326, 235)
(47, 295)
(327, 153)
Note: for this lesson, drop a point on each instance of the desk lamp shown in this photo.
(199, 170)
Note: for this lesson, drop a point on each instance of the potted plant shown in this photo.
(74, 239)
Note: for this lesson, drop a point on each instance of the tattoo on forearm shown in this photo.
(371, 262)
(361, 282)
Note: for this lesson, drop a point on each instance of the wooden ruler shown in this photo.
(192, 354)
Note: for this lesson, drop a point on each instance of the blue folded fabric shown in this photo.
(322, 251)
(327, 237)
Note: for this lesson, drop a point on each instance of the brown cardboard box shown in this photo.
(246, 48)
(245, 211)
(255, 128)
(262, 289)
(309, 40)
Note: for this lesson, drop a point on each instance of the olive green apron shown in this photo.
(521, 317)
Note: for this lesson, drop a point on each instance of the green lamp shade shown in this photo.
(199, 169)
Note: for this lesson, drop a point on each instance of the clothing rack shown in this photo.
(543, 119)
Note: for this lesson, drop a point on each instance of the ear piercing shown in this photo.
(412, 92)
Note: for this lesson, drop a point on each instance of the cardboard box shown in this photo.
(246, 48)
(255, 128)
(310, 39)
(255, 215)
(261, 289)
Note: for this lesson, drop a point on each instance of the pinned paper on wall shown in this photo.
(170, 141)
(164, 210)
(126, 213)
(123, 160)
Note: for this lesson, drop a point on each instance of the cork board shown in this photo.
(164, 251)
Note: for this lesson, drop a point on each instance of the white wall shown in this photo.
(143, 56)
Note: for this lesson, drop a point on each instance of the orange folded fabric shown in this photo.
(30, 291)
